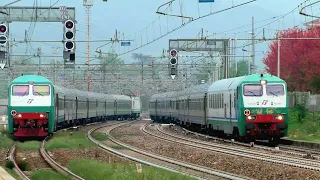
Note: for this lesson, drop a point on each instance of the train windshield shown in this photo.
(20, 90)
(41, 90)
(275, 89)
(252, 90)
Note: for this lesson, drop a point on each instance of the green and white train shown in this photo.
(248, 107)
(37, 107)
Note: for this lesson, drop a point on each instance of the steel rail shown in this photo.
(194, 167)
(17, 169)
(245, 144)
(104, 147)
(251, 155)
(56, 166)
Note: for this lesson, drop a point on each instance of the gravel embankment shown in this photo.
(3, 155)
(33, 159)
(132, 135)
(177, 130)
(63, 156)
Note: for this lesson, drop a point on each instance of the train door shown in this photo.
(115, 107)
(97, 108)
(76, 108)
(224, 104)
(88, 107)
(156, 108)
(230, 107)
(187, 115)
(64, 107)
(205, 109)
(57, 108)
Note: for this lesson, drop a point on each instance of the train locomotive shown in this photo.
(38, 108)
(252, 107)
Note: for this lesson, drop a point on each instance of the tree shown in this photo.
(110, 62)
(299, 59)
(242, 68)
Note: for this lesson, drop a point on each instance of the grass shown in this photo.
(99, 136)
(65, 139)
(47, 175)
(120, 171)
(307, 129)
(5, 140)
(29, 145)
(12, 173)
(117, 147)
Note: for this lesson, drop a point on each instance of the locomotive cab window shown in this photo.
(252, 90)
(275, 89)
(41, 90)
(20, 90)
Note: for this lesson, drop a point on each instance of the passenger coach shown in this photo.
(37, 107)
(247, 107)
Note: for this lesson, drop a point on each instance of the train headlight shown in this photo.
(41, 115)
(252, 117)
(263, 82)
(278, 117)
(19, 115)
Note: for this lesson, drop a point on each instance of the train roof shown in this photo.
(157, 96)
(233, 83)
(121, 97)
(200, 88)
(27, 78)
(166, 95)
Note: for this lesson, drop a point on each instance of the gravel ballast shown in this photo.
(131, 134)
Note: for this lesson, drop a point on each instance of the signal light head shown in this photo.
(69, 24)
(173, 61)
(69, 35)
(3, 40)
(69, 45)
(3, 28)
(173, 52)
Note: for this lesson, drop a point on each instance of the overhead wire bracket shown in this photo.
(174, 15)
(304, 14)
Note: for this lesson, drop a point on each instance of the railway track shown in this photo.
(53, 164)
(285, 160)
(192, 170)
(17, 169)
(302, 152)
(56, 166)
(311, 152)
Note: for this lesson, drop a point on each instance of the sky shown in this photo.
(130, 17)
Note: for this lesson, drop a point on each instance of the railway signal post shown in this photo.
(4, 44)
(69, 41)
(173, 63)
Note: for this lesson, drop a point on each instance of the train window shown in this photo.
(41, 90)
(275, 89)
(252, 90)
(20, 90)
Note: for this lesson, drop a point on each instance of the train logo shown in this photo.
(30, 101)
(264, 102)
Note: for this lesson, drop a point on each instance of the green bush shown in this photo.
(9, 165)
(23, 165)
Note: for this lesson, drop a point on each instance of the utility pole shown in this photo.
(39, 56)
(253, 48)
(88, 4)
(278, 36)
(55, 53)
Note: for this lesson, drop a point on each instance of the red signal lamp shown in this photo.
(69, 24)
(3, 28)
(173, 52)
